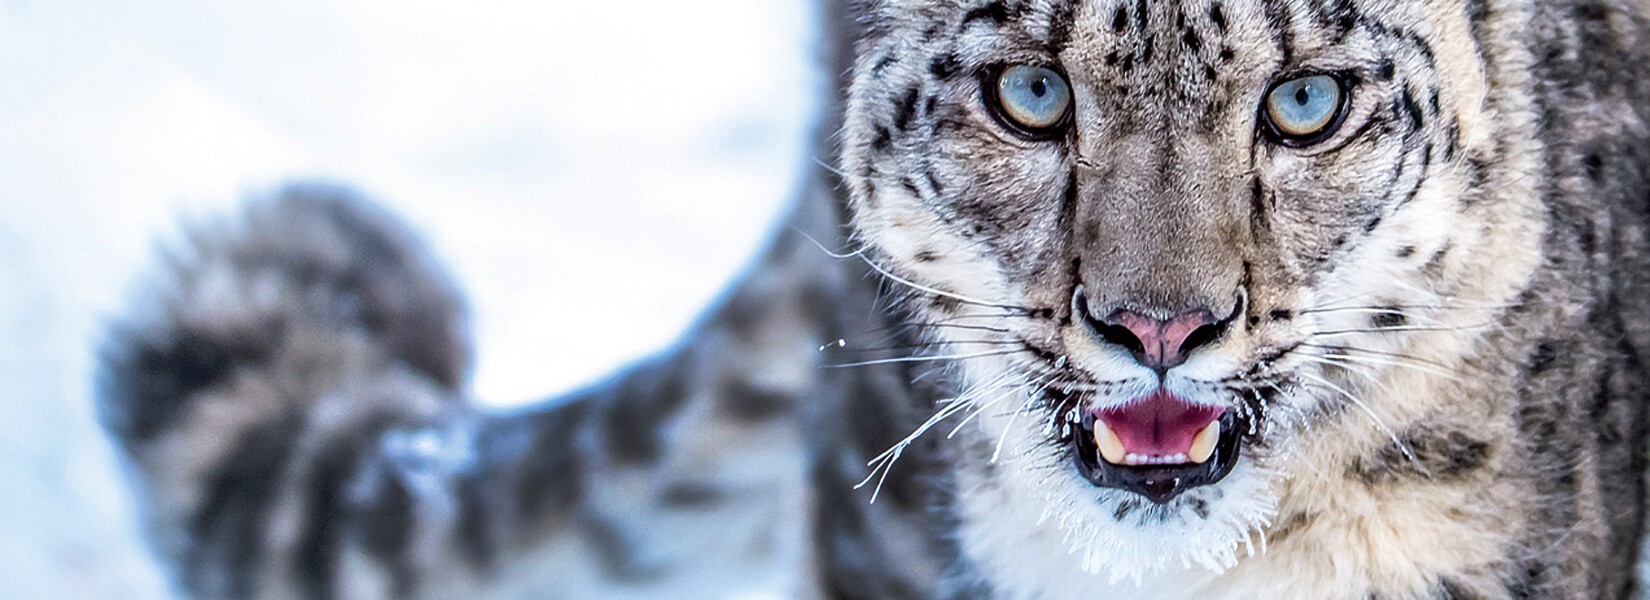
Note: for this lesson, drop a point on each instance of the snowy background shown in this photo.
(591, 171)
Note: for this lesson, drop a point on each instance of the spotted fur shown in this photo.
(1439, 319)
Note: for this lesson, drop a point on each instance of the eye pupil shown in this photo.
(1039, 88)
(1301, 97)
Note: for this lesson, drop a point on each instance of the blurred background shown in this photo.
(591, 172)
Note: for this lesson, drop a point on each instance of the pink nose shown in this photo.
(1161, 344)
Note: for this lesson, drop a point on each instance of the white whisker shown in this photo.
(1402, 447)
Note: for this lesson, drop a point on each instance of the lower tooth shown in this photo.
(1203, 446)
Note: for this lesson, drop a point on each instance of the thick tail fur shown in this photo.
(254, 364)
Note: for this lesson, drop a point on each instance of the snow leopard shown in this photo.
(1319, 299)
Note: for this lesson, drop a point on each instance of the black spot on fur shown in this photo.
(1452, 143)
(904, 109)
(1542, 357)
(925, 256)
(479, 532)
(228, 528)
(1386, 70)
(318, 546)
(643, 397)
(943, 66)
(1190, 39)
(148, 381)
(549, 473)
(883, 63)
(1280, 314)
(385, 525)
(910, 186)
(945, 304)
(1594, 165)
(1405, 251)
(1225, 54)
(1449, 589)
(1433, 456)
(745, 402)
(1413, 110)
(995, 11)
(1059, 33)
(1217, 17)
(1372, 224)
(615, 548)
(1388, 317)
(1290, 526)
(1120, 19)
(934, 183)
(881, 139)
(1257, 203)
(1436, 262)
(690, 495)
(1199, 506)
(1123, 509)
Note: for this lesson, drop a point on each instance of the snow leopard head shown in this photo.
(1169, 244)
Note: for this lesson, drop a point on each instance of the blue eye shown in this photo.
(1036, 99)
(1304, 110)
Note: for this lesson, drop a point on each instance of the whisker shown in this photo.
(1335, 332)
(937, 325)
(885, 462)
(995, 454)
(977, 410)
(927, 345)
(860, 254)
(1391, 363)
(915, 359)
(1402, 447)
(1397, 308)
(1395, 355)
(1353, 369)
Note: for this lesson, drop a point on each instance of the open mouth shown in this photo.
(1158, 446)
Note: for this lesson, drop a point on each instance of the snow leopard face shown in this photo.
(1173, 245)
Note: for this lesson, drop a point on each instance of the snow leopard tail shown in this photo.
(254, 367)
(288, 389)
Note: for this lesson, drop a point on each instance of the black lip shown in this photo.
(1158, 483)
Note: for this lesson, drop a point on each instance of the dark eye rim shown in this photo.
(994, 104)
(1344, 81)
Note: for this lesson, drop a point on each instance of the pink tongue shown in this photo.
(1161, 424)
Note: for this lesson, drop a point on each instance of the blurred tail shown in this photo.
(262, 351)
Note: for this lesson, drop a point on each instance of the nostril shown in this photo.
(1119, 335)
(1109, 329)
(1201, 336)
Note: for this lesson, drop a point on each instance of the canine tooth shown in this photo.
(1203, 446)
(1111, 448)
